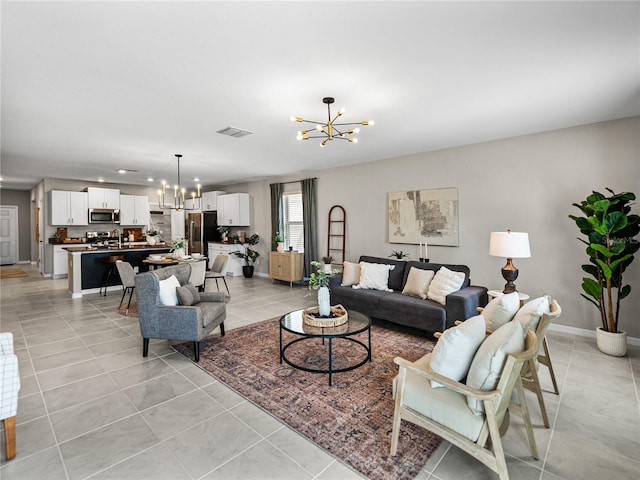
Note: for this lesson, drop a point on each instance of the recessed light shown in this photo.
(149, 179)
(196, 179)
(100, 180)
(122, 170)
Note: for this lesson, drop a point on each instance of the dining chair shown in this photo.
(128, 277)
(198, 271)
(9, 388)
(219, 270)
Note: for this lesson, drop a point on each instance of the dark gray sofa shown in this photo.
(406, 310)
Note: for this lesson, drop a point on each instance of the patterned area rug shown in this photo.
(12, 273)
(352, 419)
(133, 309)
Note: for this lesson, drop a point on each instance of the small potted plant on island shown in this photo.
(152, 236)
(610, 229)
(279, 241)
(249, 255)
(319, 280)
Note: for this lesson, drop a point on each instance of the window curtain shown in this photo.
(309, 211)
(277, 189)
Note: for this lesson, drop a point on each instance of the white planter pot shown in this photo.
(611, 343)
(324, 302)
(280, 247)
(178, 253)
(151, 240)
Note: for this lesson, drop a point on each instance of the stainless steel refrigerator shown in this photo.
(201, 228)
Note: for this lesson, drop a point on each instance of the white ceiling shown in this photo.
(88, 87)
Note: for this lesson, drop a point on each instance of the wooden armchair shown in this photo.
(445, 411)
(9, 388)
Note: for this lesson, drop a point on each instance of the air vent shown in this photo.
(234, 132)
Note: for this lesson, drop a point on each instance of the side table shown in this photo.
(498, 293)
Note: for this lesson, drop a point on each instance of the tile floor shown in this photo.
(91, 407)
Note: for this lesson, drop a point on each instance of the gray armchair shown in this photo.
(176, 322)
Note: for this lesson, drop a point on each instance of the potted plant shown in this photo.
(326, 263)
(319, 280)
(399, 254)
(249, 255)
(279, 241)
(178, 248)
(610, 229)
(152, 236)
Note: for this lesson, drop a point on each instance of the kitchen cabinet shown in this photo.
(60, 261)
(104, 197)
(134, 210)
(233, 210)
(286, 266)
(68, 208)
(209, 200)
(234, 266)
(177, 224)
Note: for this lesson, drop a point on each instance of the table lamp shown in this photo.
(509, 245)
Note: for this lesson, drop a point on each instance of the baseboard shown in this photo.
(583, 332)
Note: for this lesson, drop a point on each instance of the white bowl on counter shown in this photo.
(155, 257)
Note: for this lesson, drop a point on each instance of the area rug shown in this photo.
(352, 419)
(133, 309)
(12, 273)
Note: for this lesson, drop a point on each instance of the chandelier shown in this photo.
(330, 130)
(178, 194)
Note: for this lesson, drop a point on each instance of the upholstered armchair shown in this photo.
(197, 315)
(9, 388)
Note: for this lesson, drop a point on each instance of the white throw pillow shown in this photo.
(456, 348)
(167, 291)
(374, 276)
(445, 282)
(501, 310)
(489, 360)
(350, 274)
(530, 313)
(418, 282)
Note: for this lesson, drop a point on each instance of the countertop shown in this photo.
(123, 248)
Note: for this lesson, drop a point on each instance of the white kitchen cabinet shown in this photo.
(209, 200)
(60, 261)
(177, 225)
(103, 197)
(134, 210)
(68, 208)
(233, 210)
(234, 267)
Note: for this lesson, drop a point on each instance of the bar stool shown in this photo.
(110, 270)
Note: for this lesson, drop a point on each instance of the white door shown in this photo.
(8, 235)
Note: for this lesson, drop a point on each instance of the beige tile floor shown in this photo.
(92, 407)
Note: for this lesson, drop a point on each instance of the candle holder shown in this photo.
(425, 260)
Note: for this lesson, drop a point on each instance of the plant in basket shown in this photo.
(319, 280)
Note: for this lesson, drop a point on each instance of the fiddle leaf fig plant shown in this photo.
(610, 228)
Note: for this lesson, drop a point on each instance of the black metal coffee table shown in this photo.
(358, 323)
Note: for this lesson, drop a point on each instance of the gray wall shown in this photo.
(524, 183)
(22, 199)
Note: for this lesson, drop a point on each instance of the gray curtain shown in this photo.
(276, 209)
(310, 214)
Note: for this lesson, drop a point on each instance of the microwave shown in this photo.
(104, 215)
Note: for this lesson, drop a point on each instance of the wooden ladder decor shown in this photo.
(336, 234)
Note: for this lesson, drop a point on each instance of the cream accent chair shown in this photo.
(198, 271)
(219, 271)
(128, 277)
(9, 388)
(444, 411)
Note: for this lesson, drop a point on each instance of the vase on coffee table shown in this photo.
(324, 302)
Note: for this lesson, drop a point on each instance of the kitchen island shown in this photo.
(87, 269)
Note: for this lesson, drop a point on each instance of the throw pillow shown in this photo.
(530, 313)
(350, 274)
(489, 360)
(455, 349)
(418, 282)
(188, 295)
(445, 282)
(374, 276)
(501, 310)
(167, 290)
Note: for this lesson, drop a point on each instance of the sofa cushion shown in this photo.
(396, 276)
(489, 360)
(188, 295)
(529, 315)
(501, 310)
(418, 282)
(456, 348)
(167, 290)
(374, 276)
(436, 266)
(444, 282)
(350, 274)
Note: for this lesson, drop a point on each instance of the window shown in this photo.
(293, 226)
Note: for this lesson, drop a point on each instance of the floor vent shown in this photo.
(234, 132)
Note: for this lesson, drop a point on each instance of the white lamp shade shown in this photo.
(509, 245)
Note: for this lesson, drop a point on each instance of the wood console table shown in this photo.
(286, 266)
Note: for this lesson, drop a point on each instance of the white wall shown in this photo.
(524, 184)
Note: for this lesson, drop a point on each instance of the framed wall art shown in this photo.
(424, 216)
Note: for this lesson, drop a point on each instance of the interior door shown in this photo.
(8, 235)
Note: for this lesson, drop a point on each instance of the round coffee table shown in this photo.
(358, 323)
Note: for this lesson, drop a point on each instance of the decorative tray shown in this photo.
(339, 316)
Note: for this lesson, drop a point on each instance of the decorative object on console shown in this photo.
(179, 194)
(328, 130)
(611, 230)
(509, 245)
(399, 254)
(249, 255)
(418, 216)
(319, 280)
